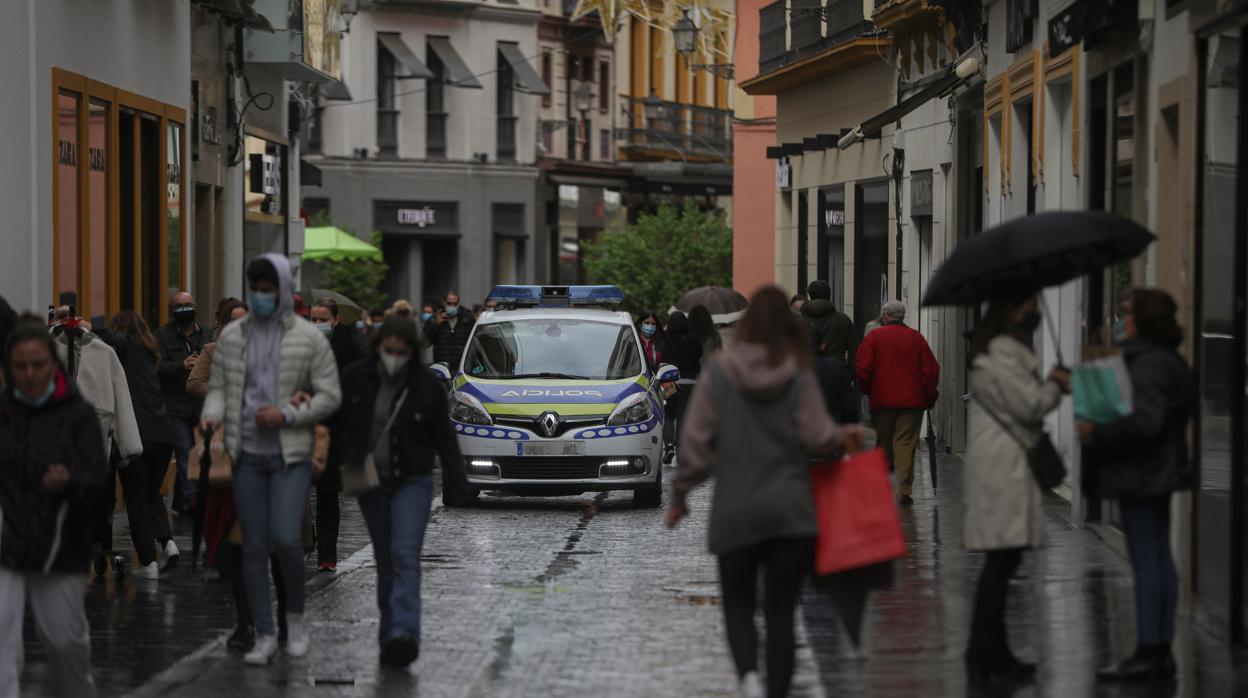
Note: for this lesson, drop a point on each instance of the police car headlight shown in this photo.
(469, 410)
(635, 410)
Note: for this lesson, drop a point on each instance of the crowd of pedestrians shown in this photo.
(282, 395)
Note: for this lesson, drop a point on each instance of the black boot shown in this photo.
(1148, 663)
(400, 651)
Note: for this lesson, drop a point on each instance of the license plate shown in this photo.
(550, 448)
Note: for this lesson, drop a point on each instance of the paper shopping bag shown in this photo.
(858, 520)
(1102, 390)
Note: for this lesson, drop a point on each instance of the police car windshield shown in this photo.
(553, 348)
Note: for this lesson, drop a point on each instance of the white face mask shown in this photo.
(325, 328)
(393, 364)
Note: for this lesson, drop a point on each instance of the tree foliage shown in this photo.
(663, 255)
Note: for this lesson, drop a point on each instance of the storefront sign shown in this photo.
(783, 175)
(834, 217)
(209, 130)
(921, 193)
(419, 217)
(265, 193)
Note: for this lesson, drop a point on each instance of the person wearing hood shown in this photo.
(754, 421)
(832, 332)
(180, 342)
(1141, 460)
(259, 362)
(53, 465)
(347, 350)
(396, 410)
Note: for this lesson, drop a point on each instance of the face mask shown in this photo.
(264, 305)
(359, 324)
(649, 330)
(393, 364)
(1030, 322)
(325, 329)
(184, 314)
(424, 317)
(38, 401)
(452, 310)
(1120, 331)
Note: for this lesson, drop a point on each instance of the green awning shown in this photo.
(336, 245)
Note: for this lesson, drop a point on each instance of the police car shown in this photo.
(553, 396)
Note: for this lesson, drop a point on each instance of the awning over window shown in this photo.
(953, 76)
(527, 79)
(394, 44)
(335, 89)
(457, 72)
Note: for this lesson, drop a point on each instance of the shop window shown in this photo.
(830, 222)
(67, 252)
(604, 144)
(95, 290)
(604, 87)
(870, 251)
(803, 253)
(508, 260)
(173, 207)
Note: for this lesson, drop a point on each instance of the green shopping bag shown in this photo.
(1102, 390)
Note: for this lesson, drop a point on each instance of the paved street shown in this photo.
(587, 595)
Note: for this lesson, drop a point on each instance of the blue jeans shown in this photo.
(270, 498)
(396, 514)
(1147, 525)
(183, 439)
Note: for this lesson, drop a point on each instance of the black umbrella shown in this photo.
(1034, 252)
(201, 496)
(931, 446)
(725, 304)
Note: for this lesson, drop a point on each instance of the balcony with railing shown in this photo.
(792, 31)
(669, 130)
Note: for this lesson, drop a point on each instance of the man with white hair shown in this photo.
(897, 370)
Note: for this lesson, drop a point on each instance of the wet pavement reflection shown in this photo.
(569, 596)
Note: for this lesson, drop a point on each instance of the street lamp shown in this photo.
(348, 10)
(685, 34)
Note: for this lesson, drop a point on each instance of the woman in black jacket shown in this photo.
(395, 409)
(52, 465)
(141, 478)
(686, 350)
(1140, 460)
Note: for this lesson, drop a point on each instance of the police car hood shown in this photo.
(531, 398)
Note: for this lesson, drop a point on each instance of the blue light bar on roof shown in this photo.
(556, 296)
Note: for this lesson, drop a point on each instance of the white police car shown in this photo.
(553, 396)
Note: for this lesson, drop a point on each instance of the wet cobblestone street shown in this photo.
(588, 595)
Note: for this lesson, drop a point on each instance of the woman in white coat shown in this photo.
(1003, 503)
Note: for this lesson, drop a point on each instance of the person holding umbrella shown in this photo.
(1004, 508)
(1141, 459)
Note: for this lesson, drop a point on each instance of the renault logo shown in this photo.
(549, 422)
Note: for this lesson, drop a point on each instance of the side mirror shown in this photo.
(667, 373)
(442, 371)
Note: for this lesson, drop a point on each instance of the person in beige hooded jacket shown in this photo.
(1004, 508)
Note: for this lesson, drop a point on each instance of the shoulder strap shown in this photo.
(1000, 422)
(390, 422)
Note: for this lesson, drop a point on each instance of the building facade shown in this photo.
(436, 147)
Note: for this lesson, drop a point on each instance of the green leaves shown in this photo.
(361, 280)
(663, 255)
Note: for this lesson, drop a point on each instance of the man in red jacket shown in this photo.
(897, 370)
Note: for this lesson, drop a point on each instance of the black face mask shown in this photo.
(1030, 322)
(184, 315)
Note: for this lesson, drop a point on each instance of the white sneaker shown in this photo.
(296, 636)
(171, 555)
(149, 571)
(262, 652)
(751, 686)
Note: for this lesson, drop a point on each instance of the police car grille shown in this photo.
(555, 468)
(565, 425)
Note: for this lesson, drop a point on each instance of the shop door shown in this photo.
(870, 252)
(141, 203)
(440, 259)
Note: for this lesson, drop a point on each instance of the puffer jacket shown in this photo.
(1144, 454)
(307, 363)
(1003, 504)
(41, 531)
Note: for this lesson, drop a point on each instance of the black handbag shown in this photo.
(1046, 463)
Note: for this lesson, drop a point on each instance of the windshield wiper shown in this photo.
(564, 376)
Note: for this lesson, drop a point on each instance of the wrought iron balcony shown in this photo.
(659, 129)
(790, 30)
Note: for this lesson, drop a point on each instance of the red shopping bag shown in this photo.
(858, 521)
